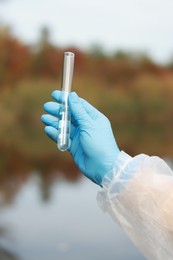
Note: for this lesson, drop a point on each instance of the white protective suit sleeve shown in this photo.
(138, 194)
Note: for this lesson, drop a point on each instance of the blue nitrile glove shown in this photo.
(93, 145)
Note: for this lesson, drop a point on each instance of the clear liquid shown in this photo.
(63, 141)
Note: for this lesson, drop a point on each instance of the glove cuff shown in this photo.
(121, 161)
(115, 179)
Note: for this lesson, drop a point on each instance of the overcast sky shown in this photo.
(135, 25)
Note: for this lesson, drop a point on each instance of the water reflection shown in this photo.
(62, 222)
(15, 171)
(44, 216)
(5, 253)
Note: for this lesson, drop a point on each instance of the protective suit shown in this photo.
(138, 195)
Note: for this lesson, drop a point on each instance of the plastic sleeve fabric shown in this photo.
(138, 194)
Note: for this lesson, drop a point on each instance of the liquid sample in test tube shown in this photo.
(63, 141)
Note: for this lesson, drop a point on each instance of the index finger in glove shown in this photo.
(52, 108)
(58, 95)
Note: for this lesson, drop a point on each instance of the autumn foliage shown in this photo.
(44, 60)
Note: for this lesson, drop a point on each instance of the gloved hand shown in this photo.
(93, 145)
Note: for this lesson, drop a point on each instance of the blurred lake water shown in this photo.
(67, 224)
(61, 220)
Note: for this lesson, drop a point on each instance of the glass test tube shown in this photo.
(63, 141)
